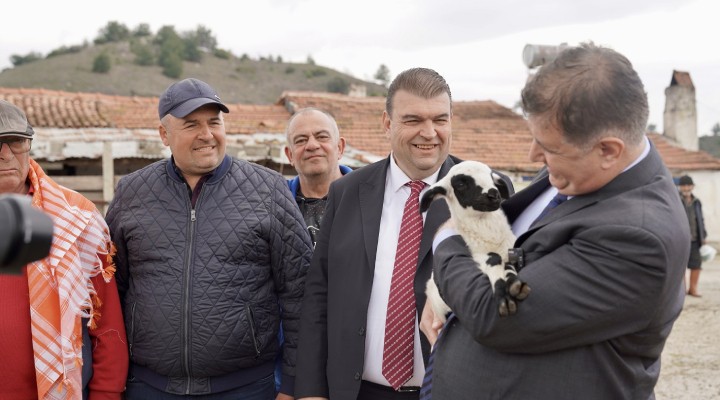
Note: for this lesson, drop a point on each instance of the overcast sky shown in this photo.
(476, 45)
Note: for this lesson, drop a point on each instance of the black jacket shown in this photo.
(204, 289)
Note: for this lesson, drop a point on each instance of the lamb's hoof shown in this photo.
(518, 289)
(507, 307)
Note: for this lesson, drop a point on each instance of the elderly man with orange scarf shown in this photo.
(61, 328)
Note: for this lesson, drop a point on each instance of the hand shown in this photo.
(430, 324)
(283, 396)
(314, 398)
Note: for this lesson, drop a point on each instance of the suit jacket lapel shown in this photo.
(518, 202)
(371, 193)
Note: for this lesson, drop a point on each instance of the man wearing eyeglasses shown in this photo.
(61, 329)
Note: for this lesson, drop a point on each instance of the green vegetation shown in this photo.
(138, 62)
(383, 75)
(338, 85)
(17, 59)
(66, 50)
(102, 63)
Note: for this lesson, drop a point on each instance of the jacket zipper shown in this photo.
(186, 303)
(131, 337)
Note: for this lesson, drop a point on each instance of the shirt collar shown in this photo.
(180, 174)
(397, 178)
(642, 156)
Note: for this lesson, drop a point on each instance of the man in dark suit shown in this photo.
(351, 279)
(605, 267)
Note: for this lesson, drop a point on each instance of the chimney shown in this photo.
(680, 118)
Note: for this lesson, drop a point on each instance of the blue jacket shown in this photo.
(294, 183)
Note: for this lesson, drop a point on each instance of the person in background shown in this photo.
(62, 334)
(314, 148)
(605, 265)
(207, 248)
(372, 259)
(693, 208)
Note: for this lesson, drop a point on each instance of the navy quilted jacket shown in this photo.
(203, 289)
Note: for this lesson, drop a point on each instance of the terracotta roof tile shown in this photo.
(482, 130)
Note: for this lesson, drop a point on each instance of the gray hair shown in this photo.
(589, 92)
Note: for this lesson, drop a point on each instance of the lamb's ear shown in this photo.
(501, 186)
(430, 195)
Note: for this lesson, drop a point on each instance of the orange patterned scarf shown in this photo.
(61, 292)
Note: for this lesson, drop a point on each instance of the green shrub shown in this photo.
(222, 54)
(17, 59)
(172, 66)
(65, 50)
(144, 54)
(102, 63)
(338, 85)
(315, 72)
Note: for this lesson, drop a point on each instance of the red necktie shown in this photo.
(397, 366)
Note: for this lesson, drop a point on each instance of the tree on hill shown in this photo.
(144, 53)
(201, 37)
(383, 75)
(102, 63)
(338, 85)
(172, 66)
(142, 30)
(112, 32)
(716, 129)
(172, 50)
(17, 59)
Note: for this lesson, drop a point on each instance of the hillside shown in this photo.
(237, 81)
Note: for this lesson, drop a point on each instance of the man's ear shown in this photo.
(341, 147)
(288, 154)
(163, 134)
(386, 123)
(611, 150)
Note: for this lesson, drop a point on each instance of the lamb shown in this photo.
(474, 193)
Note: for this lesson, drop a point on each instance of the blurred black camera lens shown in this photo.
(25, 233)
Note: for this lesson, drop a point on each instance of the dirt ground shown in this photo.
(691, 359)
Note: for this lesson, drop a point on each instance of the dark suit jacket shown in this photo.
(339, 282)
(606, 273)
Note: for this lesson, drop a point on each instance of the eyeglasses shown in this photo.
(16, 145)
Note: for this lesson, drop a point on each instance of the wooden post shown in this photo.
(108, 171)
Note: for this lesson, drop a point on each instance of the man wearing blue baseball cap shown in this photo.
(207, 247)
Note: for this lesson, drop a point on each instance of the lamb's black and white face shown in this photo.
(472, 184)
(473, 194)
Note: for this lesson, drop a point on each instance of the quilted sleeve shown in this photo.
(291, 254)
(113, 219)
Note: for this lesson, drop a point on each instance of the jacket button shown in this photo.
(357, 376)
(361, 331)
